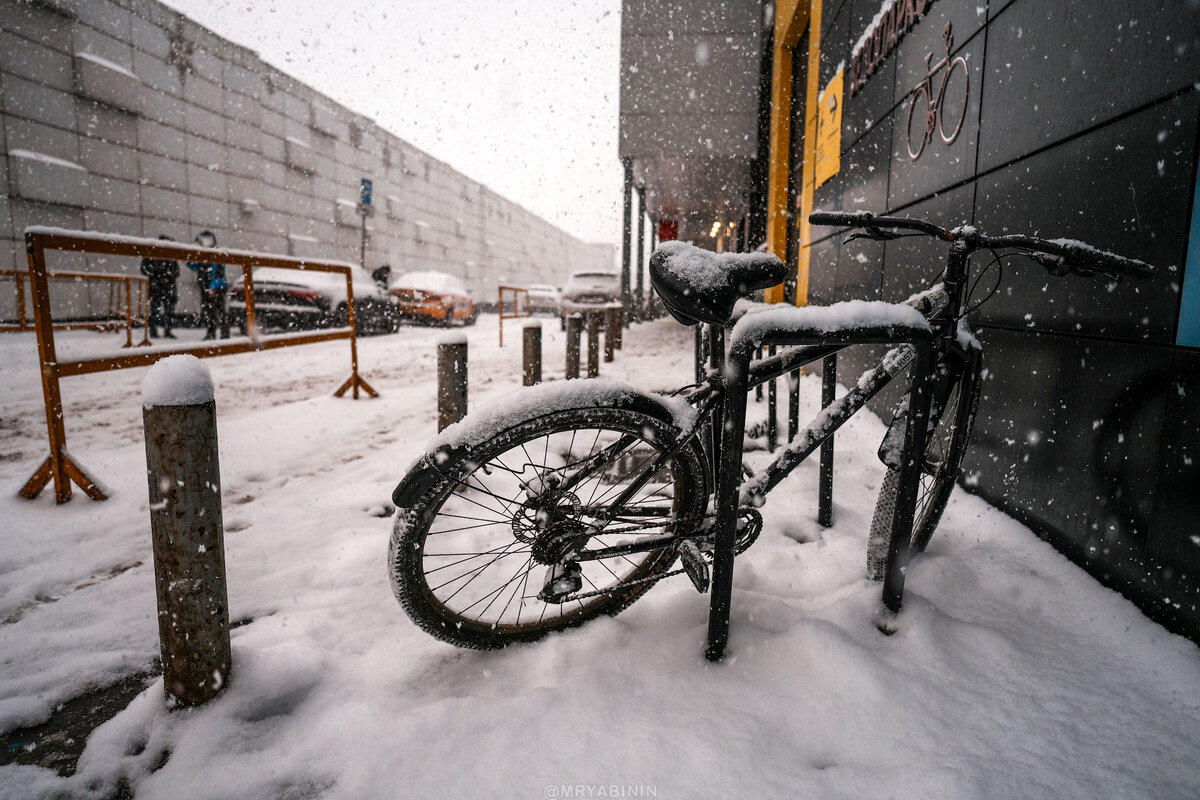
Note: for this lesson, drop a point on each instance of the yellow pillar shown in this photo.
(792, 18)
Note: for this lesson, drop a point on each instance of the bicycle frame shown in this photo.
(720, 426)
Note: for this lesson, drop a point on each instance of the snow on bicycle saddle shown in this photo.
(702, 286)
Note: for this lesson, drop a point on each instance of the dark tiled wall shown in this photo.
(1081, 121)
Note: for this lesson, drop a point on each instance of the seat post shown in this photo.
(729, 473)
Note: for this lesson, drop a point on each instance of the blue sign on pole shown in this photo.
(364, 192)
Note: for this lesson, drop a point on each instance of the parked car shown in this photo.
(296, 300)
(544, 299)
(589, 291)
(433, 297)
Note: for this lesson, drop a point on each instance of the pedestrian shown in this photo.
(382, 275)
(163, 273)
(210, 279)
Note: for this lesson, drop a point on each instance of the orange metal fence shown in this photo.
(128, 303)
(518, 294)
(58, 466)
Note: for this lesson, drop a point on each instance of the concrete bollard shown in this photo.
(619, 335)
(531, 354)
(179, 416)
(593, 344)
(452, 379)
(574, 329)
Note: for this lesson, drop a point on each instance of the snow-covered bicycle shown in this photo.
(572, 499)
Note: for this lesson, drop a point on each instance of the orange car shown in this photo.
(434, 297)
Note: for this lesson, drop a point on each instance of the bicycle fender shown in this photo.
(458, 442)
(415, 484)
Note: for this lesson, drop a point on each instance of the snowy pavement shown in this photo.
(1012, 674)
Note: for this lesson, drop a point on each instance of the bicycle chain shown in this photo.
(742, 546)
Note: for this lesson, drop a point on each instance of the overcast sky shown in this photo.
(520, 95)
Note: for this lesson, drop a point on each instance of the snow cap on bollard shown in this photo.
(178, 380)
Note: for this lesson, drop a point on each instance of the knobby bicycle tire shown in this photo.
(464, 559)
(944, 450)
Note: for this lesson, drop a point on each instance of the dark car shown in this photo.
(295, 300)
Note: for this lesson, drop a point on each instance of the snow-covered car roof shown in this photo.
(326, 282)
(429, 281)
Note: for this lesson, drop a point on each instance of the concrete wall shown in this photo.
(127, 117)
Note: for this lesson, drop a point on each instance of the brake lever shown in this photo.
(875, 234)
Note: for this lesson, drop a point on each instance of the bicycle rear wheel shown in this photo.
(944, 449)
(474, 559)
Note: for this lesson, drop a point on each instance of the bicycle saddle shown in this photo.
(702, 286)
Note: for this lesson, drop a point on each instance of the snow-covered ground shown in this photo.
(1012, 674)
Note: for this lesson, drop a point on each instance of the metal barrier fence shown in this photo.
(123, 309)
(58, 466)
(517, 294)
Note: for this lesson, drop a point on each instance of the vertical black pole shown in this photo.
(910, 478)
(531, 354)
(772, 406)
(793, 404)
(574, 329)
(758, 390)
(825, 490)
(728, 476)
(641, 260)
(593, 344)
(627, 234)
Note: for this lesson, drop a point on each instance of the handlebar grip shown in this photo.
(1085, 258)
(857, 219)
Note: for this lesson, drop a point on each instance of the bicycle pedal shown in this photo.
(695, 565)
(749, 526)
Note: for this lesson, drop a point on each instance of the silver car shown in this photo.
(589, 291)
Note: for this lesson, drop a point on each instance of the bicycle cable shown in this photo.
(997, 261)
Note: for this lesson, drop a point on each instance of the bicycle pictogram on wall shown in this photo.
(932, 111)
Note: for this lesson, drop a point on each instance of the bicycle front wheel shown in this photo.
(944, 449)
(474, 559)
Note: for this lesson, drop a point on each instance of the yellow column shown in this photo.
(792, 18)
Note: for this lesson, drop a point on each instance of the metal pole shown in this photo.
(641, 260)
(531, 354)
(612, 327)
(593, 344)
(574, 329)
(772, 406)
(825, 481)
(452, 381)
(184, 479)
(362, 251)
(627, 232)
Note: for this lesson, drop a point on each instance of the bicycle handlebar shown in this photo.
(1059, 256)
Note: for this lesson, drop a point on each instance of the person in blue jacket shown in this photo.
(210, 279)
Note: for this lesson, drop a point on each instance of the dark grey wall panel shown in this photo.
(1175, 535)
(1118, 189)
(865, 171)
(1062, 459)
(1057, 68)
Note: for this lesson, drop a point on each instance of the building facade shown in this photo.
(1061, 118)
(125, 116)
